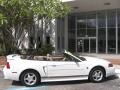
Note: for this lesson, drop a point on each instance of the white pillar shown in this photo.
(76, 37)
(106, 32)
(116, 33)
(96, 32)
(53, 36)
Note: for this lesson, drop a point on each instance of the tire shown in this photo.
(97, 75)
(30, 78)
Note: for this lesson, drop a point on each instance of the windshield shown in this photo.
(81, 58)
(75, 55)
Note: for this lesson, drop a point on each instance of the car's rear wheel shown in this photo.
(97, 75)
(30, 78)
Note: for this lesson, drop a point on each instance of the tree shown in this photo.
(2, 19)
(19, 16)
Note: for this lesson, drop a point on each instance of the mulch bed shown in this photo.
(2, 60)
(114, 61)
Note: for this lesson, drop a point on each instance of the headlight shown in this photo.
(110, 65)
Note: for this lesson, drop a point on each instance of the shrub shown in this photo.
(48, 48)
(2, 52)
(44, 50)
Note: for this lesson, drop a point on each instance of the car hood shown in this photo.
(95, 60)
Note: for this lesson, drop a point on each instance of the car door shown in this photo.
(69, 67)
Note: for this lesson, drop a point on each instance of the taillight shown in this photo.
(110, 65)
(8, 65)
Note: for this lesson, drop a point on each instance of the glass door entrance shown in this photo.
(86, 45)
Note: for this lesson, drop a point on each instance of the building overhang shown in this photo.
(92, 5)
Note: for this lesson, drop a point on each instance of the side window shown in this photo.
(68, 58)
(73, 59)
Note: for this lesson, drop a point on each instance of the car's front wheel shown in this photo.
(97, 75)
(30, 78)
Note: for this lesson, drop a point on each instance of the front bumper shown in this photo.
(110, 71)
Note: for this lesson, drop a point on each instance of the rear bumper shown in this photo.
(110, 71)
(8, 74)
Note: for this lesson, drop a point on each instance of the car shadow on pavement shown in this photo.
(18, 83)
(66, 82)
(111, 78)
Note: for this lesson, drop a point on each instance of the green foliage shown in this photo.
(17, 16)
(2, 19)
(46, 49)
(15, 12)
(19, 10)
(2, 51)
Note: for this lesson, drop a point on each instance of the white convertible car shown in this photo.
(47, 69)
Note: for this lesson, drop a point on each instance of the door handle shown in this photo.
(53, 65)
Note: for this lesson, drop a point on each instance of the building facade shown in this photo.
(93, 26)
